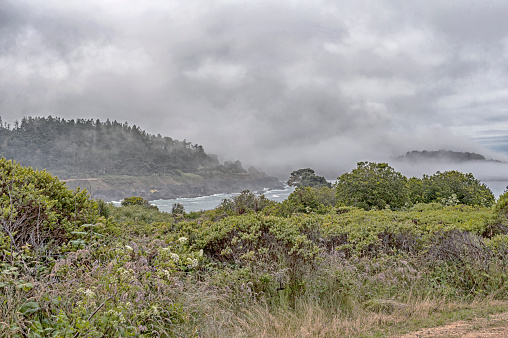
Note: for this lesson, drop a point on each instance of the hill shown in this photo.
(115, 160)
(442, 156)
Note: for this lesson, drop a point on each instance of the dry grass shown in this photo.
(310, 320)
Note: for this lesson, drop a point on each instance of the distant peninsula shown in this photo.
(116, 160)
(443, 156)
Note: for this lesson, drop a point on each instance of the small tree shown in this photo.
(178, 209)
(307, 178)
(245, 202)
(134, 200)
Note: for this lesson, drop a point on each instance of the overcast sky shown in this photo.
(276, 84)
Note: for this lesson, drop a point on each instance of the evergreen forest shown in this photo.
(85, 148)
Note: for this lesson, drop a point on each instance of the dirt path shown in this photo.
(492, 326)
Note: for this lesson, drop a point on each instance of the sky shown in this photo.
(280, 85)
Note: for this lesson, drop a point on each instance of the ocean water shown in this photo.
(497, 187)
(212, 201)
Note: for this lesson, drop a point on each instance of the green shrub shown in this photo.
(499, 222)
(451, 188)
(280, 251)
(37, 209)
(137, 201)
(245, 202)
(372, 185)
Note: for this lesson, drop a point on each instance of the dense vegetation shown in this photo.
(87, 148)
(377, 185)
(251, 267)
(37, 210)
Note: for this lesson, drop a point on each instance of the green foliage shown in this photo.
(307, 178)
(377, 185)
(136, 271)
(326, 196)
(245, 202)
(37, 209)
(137, 201)
(450, 188)
(372, 185)
(305, 200)
(499, 222)
(278, 252)
(177, 209)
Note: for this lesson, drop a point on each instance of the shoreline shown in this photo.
(152, 188)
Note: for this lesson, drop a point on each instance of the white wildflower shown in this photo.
(175, 257)
(155, 310)
(201, 253)
(193, 262)
(182, 240)
(89, 293)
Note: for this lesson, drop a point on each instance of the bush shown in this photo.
(372, 185)
(37, 209)
(245, 202)
(451, 188)
(137, 201)
(279, 252)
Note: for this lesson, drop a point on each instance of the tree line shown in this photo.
(88, 148)
(379, 186)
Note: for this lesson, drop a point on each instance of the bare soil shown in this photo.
(492, 326)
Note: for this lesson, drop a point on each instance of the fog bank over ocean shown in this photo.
(493, 174)
(482, 170)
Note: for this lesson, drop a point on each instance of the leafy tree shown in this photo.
(415, 190)
(499, 222)
(307, 178)
(372, 185)
(177, 209)
(326, 196)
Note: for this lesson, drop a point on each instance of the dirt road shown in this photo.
(492, 326)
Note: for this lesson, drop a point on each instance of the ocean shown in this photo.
(210, 202)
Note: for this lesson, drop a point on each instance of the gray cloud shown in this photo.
(279, 85)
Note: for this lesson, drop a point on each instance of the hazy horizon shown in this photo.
(279, 85)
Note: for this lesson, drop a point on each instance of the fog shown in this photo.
(484, 171)
(280, 85)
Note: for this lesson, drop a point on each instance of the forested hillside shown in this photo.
(114, 160)
(87, 148)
